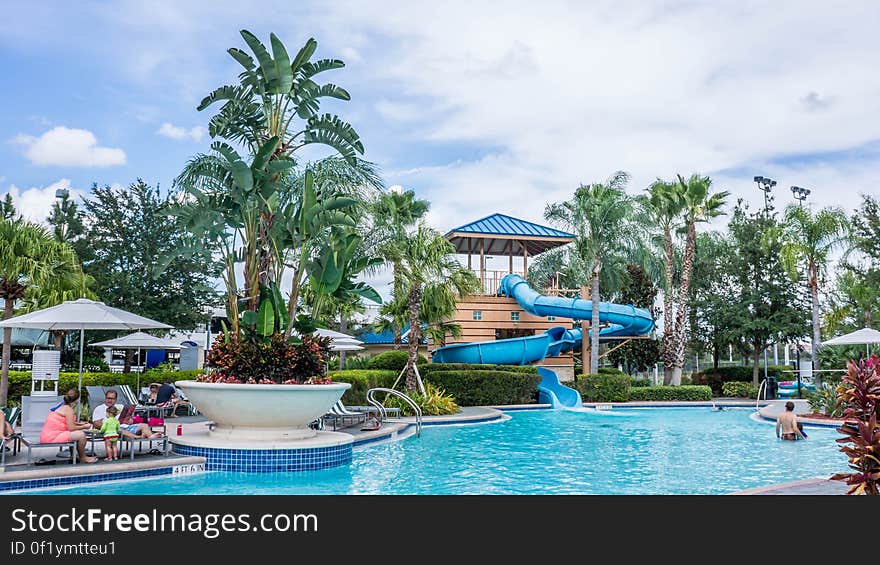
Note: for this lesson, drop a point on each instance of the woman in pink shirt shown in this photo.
(61, 426)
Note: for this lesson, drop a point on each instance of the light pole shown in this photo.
(800, 194)
(766, 184)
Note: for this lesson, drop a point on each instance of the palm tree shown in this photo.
(601, 217)
(431, 280)
(662, 207)
(698, 205)
(31, 258)
(394, 213)
(807, 241)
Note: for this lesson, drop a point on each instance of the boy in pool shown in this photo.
(787, 422)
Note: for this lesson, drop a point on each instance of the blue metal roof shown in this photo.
(384, 338)
(500, 224)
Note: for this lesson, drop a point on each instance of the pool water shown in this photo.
(622, 451)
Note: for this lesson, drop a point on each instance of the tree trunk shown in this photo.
(7, 353)
(756, 356)
(343, 327)
(126, 367)
(716, 357)
(594, 323)
(585, 338)
(687, 270)
(414, 303)
(817, 325)
(668, 351)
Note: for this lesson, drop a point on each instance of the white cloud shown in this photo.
(195, 133)
(35, 203)
(544, 100)
(68, 147)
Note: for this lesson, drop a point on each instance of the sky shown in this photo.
(479, 107)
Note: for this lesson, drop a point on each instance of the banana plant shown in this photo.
(231, 199)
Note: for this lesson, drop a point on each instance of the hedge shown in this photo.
(392, 360)
(684, 392)
(735, 389)
(20, 381)
(715, 378)
(361, 381)
(483, 388)
(603, 387)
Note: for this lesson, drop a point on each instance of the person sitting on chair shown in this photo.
(61, 426)
(128, 428)
(167, 396)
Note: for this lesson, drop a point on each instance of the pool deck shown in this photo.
(16, 469)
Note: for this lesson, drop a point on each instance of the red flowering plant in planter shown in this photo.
(860, 393)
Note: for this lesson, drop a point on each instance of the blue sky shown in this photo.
(480, 107)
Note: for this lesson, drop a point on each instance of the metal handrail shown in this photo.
(416, 408)
(762, 386)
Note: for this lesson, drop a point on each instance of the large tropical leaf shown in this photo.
(309, 95)
(302, 57)
(266, 319)
(243, 58)
(267, 65)
(283, 71)
(309, 70)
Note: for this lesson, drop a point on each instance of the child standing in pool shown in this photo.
(110, 430)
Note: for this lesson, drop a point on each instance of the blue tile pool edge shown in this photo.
(48, 482)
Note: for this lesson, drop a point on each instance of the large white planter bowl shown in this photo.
(262, 412)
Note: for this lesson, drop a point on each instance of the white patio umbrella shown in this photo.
(82, 315)
(864, 336)
(340, 341)
(139, 341)
(345, 347)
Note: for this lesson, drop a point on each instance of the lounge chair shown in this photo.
(339, 414)
(35, 442)
(11, 414)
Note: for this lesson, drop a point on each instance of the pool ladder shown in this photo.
(762, 387)
(371, 398)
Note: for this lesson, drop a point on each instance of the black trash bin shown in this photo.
(771, 388)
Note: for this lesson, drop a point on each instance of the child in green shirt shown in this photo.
(110, 430)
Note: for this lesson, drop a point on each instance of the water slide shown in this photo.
(622, 320)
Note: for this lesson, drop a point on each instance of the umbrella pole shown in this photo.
(82, 339)
(139, 373)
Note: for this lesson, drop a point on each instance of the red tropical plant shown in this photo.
(274, 360)
(859, 392)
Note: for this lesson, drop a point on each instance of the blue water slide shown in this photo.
(623, 321)
(554, 393)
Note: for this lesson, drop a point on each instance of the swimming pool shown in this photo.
(692, 450)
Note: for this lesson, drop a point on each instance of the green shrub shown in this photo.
(435, 402)
(484, 388)
(825, 401)
(736, 389)
(688, 392)
(640, 382)
(392, 361)
(603, 388)
(361, 381)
